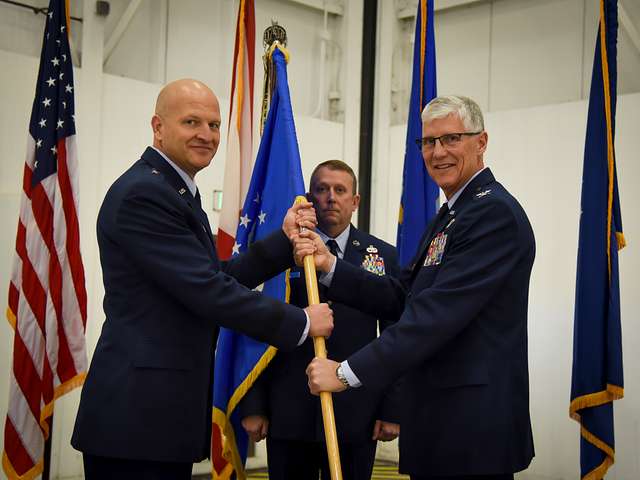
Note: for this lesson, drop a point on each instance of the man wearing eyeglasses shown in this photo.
(461, 337)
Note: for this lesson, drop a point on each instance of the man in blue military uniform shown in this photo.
(461, 337)
(145, 409)
(279, 405)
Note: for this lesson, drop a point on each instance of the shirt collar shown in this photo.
(190, 182)
(456, 195)
(341, 239)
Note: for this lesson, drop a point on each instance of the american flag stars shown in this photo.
(53, 110)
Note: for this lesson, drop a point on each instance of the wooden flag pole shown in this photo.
(328, 417)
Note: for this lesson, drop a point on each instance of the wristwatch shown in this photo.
(341, 377)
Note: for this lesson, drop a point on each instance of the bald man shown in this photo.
(145, 409)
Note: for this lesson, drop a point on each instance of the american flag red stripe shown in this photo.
(239, 159)
(47, 296)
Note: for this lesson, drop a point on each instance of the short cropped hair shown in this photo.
(466, 109)
(335, 165)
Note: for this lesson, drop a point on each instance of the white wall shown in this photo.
(514, 53)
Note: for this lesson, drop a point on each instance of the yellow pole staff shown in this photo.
(328, 418)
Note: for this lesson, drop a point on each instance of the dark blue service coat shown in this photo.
(148, 391)
(461, 337)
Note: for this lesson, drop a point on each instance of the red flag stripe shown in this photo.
(14, 447)
(43, 196)
(29, 429)
(28, 379)
(72, 224)
(32, 289)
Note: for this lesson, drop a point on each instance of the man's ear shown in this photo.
(156, 124)
(483, 140)
(356, 201)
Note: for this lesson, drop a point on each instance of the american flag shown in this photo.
(47, 296)
(239, 162)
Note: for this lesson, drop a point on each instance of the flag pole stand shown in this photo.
(320, 349)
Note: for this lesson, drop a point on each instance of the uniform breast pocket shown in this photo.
(425, 278)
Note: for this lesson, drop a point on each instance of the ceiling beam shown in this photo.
(120, 28)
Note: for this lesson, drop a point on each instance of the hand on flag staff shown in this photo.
(299, 217)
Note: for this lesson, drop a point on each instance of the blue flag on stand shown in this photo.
(597, 341)
(275, 183)
(419, 192)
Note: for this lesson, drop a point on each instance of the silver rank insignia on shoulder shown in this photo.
(373, 262)
(182, 191)
(154, 171)
(355, 243)
(372, 249)
(436, 250)
(482, 194)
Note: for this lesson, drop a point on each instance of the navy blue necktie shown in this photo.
(332, 245)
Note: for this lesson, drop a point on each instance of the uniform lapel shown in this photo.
(159, 164)
(434, 227)
(477, 184)
(355, 247)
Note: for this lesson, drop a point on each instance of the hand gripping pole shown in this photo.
(328, 418)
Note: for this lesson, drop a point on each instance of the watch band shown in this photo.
(341, 376)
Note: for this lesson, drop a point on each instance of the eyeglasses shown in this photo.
(447, 141)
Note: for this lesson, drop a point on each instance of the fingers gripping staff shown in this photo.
(320, 350)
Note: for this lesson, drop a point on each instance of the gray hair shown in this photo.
(466, 109)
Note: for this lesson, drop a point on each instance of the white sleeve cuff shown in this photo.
(305, 333)
(350, 376)
(326, 278)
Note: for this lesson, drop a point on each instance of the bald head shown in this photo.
(176, 92)
(186, 124)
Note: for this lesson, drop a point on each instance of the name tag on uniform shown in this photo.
(436, 250)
